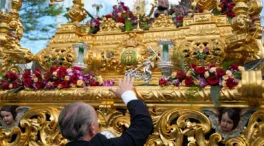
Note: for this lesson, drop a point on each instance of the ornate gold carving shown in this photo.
(252, 86)
(53, 56)
(11, 33)
(245, 42)
(163, 22)
(209, 50)
(112, 120)
(40, 126)
(108, 25)
(171, 125)
(77, 12)
(206, 5)
(255, 129)
(131, 47)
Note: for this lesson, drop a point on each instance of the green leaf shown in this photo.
(237, 74)
(16, 90)
(128, 25)
(252, 65)
(226, 64)
(215, 93)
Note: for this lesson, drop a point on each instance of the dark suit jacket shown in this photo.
(136, 135)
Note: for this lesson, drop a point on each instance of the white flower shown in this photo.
(206, 74)
(241, 68)
(229, 73)
(212, 69)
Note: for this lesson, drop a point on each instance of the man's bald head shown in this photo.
(75, 119)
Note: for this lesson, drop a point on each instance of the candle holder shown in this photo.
(80, 50)
(165, 65)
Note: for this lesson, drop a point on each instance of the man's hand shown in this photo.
(123, 86)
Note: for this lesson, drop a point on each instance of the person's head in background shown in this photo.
(78, 121)
(229, 119)
(8, 114)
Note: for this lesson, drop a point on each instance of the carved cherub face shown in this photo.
(7, 117)
(226, 123)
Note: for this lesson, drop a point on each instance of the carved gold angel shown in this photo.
(10, 116)
(228, 122)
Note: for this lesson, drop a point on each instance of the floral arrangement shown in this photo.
(122, 14)
(56, 78)
(199, 77)
(226, 9)
(178, 14)
(202, 76)
(95, 25)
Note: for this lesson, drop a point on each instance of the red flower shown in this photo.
(234, 67)
(189, 81)
(11, 76)
(65, 84)
(5, 85)
(62, 72)
(211, 65)
(131, 15)
(94, 83)
(212, 80)
(181, 74)
(52, 69)
(200, 70)
(74, 79)
(37, 73)
(121, 20)
(220, 72)
(231, 83)
(47, 76)
(27, 82)
(192, 66)
(77, 68)
(163, 82)
(108, 16)
(40, 85)
(26, 74)
(15, 85)
(231, 5)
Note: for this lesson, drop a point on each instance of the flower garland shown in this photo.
(56, 78)
(202, 76)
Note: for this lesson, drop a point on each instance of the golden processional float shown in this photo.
(183, 110)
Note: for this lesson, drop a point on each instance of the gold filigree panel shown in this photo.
(172, 126)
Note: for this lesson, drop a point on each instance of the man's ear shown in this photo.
(92, 130)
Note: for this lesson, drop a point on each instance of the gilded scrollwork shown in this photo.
(111, 120)
(206, 5)
(245, 42)
(56, 56)
(163, 21)
(203, 51)
(108, 25)
(12, 30)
